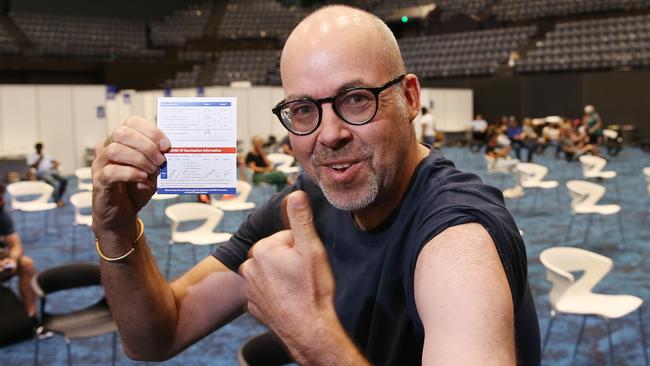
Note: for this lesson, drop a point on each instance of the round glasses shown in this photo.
(356, 106)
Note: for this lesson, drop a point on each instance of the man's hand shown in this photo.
(289, 282)
(124, 177)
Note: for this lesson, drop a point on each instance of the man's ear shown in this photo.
(412, 95)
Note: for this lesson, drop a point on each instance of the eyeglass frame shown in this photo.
(319, 102)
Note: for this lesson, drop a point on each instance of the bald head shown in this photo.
(344, 27)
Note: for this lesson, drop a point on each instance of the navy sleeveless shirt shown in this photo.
(374, 270)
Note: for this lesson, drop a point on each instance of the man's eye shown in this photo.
(302, 110)
(357, 99)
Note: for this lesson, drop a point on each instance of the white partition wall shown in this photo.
(89, 119)
(54, 106)
(18, 119)
(451, 108)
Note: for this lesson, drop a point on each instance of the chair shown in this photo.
(584, 201)
(592, 168)
(160, 198)
(263, 349)
(84, 179)
(90, 321)
(501, 167)
(34, 197)
(531, 176)
(202, 235)
(571, 296)
(82, 202)
(283, 163)
(238, 202)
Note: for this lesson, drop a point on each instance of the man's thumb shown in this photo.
(301, 220)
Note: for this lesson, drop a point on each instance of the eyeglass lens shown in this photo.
(355, 107)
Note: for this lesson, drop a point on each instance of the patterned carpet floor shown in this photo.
(543, 217)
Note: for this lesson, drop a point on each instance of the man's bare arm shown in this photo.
(156, 320)
(464, 300)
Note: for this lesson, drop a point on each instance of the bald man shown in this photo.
(386, 253)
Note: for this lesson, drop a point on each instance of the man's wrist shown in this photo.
(116, 242)
(326, 328)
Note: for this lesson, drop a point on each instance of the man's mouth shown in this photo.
(340, 166)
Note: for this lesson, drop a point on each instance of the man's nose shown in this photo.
(333, 131)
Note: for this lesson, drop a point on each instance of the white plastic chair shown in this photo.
(531, 176)
(500, 167)
(84, 179)
(238, 202)
(82, 202)
(283, 163)
(592, 167)
(32, 196)
(575, 297)
(159, 198)
(584, 201)
(204, 234)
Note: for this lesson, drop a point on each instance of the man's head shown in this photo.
(589, 109)
(38, 147)
(257, 142)
(334, 49)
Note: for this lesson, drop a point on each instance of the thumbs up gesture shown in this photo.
(289, 281)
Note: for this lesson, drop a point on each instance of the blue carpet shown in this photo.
(544, 220)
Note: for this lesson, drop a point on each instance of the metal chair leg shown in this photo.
(591, 218)
(547, 334)
(643, 342)
(568, 232)
(169, 259)
(36, 340)
(74, 240)
(582, 328)
(609, 340)
(47, 221)
(58, 225)
(114, 347)
(68, 348)
(620, 229)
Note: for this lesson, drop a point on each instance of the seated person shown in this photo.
(47, 169)
(13, 262)
(262, 167)
(575, 143)
(550, 137)
(498, 145)
(479, 129)
(498, 148)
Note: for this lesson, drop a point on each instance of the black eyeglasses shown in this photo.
(356, 106)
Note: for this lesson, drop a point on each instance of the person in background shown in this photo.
(517, 139)
(428, 127)
(479, 128)
(262, 167)
(593, 125)
(271, 145)
(551, 137)
(47, 169)
(13, 261)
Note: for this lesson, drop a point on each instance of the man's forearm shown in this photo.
(142, 304)
(326, 343)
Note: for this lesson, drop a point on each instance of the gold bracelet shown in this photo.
(123, 256)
